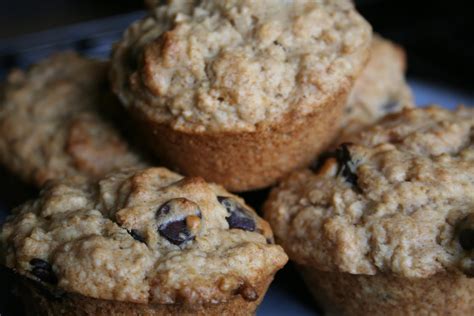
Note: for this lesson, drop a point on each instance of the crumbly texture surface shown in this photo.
(380, 89)
(234, 65)
(54, 122)
(148, 236)
(400, 201)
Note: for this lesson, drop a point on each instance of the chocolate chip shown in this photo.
(136, 235)
(343, 157)
(43, 271)
(178, 220)
(239, 216)
(465, 230)
(466, 239)
(176, 232)
(40, 263)
(344, 161)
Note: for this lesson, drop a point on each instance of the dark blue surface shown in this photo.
(431, 93)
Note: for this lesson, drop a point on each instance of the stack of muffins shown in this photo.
(372, 198)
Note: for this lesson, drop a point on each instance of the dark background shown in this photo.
(26, 16)
(438, 35)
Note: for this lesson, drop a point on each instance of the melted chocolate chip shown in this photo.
(176, 232)
(343, 157)
(165, 209)
(178, 220)
(466, 239)
(344, 161)
(137, 236)
(239, 217)
(43, 271)
(465, 230)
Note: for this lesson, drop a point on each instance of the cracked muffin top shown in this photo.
(380, 89)
(148, 236)
(52, 125)
(398, 201)
(234, 65)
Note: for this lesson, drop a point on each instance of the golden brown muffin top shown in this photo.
(148, 236)
(232, 65)
(380, 89)
(52, 123)
(400, 200)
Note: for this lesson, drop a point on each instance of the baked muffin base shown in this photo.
(384, 294)
(243, 161)
(40, 301)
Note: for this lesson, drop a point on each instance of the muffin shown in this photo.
(386, 226)
(146, 242)
(380, 89)
(240, 92)
(55, 121)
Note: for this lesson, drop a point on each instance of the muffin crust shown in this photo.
(52, 121)
(380, 89)
(397, 201)
(233, 65)
(145, 237)
(385, 294)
